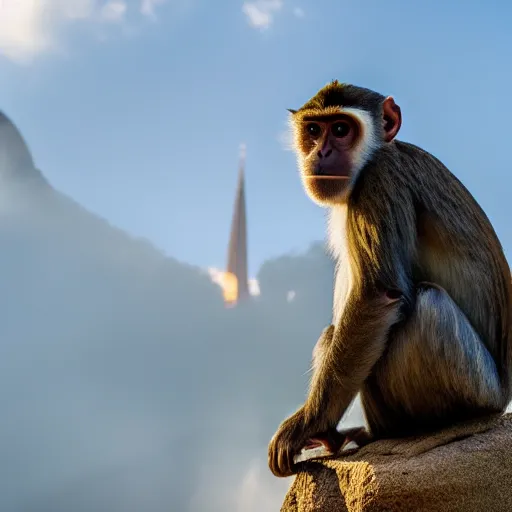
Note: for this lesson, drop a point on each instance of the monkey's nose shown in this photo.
(324, 153)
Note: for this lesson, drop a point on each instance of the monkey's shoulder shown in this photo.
(402, 176)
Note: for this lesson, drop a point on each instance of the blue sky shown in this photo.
(137, 111)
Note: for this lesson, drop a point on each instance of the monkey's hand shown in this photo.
(297, 433)
(294, 435)
(288, 442)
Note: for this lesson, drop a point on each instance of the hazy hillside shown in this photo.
(124, 382)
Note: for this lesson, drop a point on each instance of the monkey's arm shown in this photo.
(357, 343)
(382, 245)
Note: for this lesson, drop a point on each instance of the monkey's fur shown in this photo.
(422, 300)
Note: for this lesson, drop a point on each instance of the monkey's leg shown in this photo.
(436, 371)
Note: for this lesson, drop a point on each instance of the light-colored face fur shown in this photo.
(368, 140)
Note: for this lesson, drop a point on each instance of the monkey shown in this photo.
(421, 324)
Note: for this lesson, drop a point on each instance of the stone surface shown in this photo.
(466, 468)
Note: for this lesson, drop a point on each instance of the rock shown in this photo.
(466, 468)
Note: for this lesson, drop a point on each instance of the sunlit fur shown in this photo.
(423, 299)
(319, 351)
(338, 245)
(369, 140)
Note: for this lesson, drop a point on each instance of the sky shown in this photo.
(137, 108)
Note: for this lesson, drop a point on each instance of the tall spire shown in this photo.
(236, 286)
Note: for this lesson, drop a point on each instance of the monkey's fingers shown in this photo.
(313, 449)
(322, 445)
(281, 463)
(285, 462)
(332, 442)
(280, 457)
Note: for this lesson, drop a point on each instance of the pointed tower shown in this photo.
(236, 284)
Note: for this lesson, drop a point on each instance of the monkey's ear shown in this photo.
(392, 118)
(291, 111)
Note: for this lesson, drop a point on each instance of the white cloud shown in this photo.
(298, 12)
(22, 29)
(113, 11)
(254, 286)
(147, 7)
(31, 27)
(216, 275)
(260, 13)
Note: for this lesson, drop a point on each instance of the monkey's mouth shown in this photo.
(328, 177)
(330, 173)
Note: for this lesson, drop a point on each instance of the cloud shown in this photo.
(113, 11)
(23, 30)
(147, 7)
(29, 28)
(261, 13)
(254, 287)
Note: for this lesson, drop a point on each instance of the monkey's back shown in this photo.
(458, 249)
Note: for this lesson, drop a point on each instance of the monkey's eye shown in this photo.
(340, 129)
(314, 129)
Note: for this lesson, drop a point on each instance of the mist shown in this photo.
(125, 383)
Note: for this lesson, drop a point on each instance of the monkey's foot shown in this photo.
(332, 442)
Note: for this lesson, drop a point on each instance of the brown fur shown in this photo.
(424, 333)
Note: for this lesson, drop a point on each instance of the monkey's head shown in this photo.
(337, 133)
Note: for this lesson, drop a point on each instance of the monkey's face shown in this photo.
(329, 148)
(334, 141)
